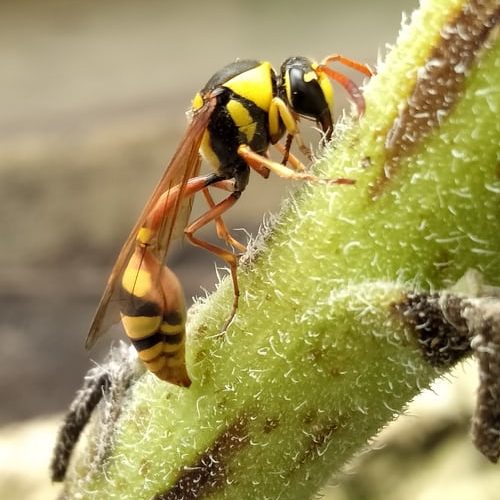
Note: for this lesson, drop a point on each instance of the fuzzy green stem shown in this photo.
(319, 356)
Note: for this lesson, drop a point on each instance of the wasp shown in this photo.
(242, 110)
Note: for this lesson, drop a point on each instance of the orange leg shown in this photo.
(351, 88)
(255, 160)
(160, 220)
(168, 203)
(351, 63)
(286, 149)
(288, 157)
(230, 258)
(221, 228)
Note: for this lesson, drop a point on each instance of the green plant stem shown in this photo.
(320, 356)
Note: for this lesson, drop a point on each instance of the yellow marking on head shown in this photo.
(197, 102)
(149, 355)
(137, 327)
(327, 89)
(136, 281)
(288, 87)
(254, 85)
(310, 76)
(144, 235)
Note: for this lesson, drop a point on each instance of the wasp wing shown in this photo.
(184, 165)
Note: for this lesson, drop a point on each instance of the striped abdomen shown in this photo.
(153, 315)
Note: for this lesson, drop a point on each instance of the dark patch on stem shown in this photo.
(319, 437)
(209, 473)
(438, 325)
(486, 344)
(270, 424)
(319, 440)
(448, 328)
(440, 82)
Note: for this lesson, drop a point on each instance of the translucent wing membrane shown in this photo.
(184, 165)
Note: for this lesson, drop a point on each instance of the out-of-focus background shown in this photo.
(92, 100)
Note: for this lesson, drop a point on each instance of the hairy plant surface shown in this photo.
(344, 314)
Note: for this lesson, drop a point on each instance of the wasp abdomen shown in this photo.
(152, 310)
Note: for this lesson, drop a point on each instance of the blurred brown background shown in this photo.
(92, 99)
(93, 104)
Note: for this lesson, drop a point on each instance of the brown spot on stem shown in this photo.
(270, 424)
(209, 472)
(438, 325)
(439, 82)
(319, 436)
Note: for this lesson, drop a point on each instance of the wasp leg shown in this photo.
(351, 63)
(152, 308)
(229, 257)
(255, 160)
(279, 109)
(170, 200)
(288, 157)
(351, 88)
(221, 228)
(285, 150)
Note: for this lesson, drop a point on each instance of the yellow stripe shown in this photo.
(254, 85)
(288, 87)
(242, 119)
(148, 355)
(138, 327)
(136, 281)
(207, 152)
(197, 102)
(169, 329)
(326, 87)
(144, 235)
(169, 348)
(239, 114)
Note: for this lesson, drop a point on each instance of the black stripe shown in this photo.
(173, 318)
(173, 339)
(130, 305)
(225, 137)
(156, 338)
(147, 342)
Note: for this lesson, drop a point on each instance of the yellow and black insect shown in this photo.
(242, 110)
